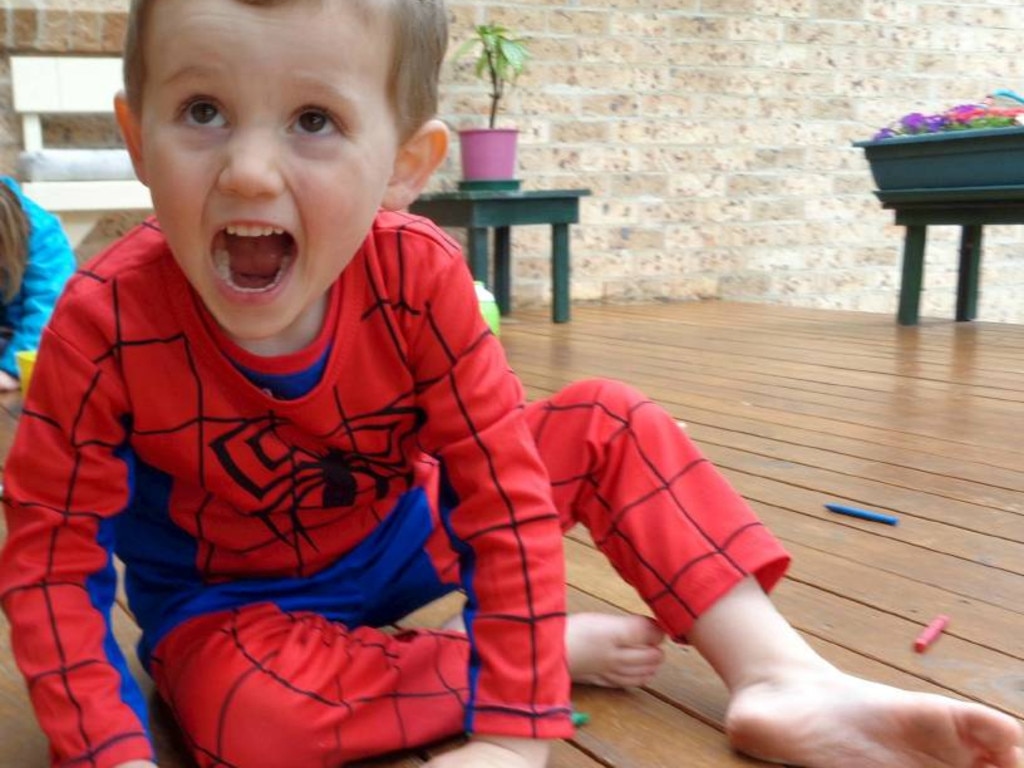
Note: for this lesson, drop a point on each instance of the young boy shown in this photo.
(280, 407)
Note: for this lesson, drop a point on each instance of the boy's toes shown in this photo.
(642, 631)
(643, 658)
(1001, 738)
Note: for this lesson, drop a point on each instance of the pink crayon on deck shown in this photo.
(930, 633)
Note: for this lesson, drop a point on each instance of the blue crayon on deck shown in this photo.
(863, 514)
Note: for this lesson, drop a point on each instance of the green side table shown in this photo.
(480, 210)
(967, 207)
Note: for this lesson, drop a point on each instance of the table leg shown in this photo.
(913, 274)
(970, 272)
(503, 269)
(478, 261)
(560, 273)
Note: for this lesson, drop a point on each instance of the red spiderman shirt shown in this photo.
(149, 436)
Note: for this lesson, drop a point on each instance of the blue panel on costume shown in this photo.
(385, 577)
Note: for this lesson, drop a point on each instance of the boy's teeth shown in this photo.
(246, 230)
(222, 263)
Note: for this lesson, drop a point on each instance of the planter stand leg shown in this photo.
(503, 269)
(913, 274)
(478, 261)
(970, 271)
(560, 273)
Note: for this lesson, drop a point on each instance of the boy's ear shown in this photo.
(131, 131)
(417, 159)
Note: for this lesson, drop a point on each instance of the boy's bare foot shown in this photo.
(606, 649)
(613, 651)
(827, 719)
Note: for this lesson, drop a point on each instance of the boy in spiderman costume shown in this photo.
(278, 404)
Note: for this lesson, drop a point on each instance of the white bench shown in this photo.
(80, 185)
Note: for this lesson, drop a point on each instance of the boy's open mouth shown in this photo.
(252, 259)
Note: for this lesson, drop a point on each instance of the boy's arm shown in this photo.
(502, 522)
(63, 483)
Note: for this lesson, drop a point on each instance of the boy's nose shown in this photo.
(250, 169)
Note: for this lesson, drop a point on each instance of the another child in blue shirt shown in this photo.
(36, 261)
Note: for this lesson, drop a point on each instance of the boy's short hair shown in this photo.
(418, 44)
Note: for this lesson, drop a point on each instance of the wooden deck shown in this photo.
(797, 407)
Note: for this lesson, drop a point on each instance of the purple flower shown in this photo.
(915, 122)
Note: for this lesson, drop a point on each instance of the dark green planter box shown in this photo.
(988, 157)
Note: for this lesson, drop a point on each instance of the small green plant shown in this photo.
(501, 58)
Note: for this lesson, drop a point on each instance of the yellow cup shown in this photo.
(26, 362)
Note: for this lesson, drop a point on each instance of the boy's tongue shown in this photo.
(256, 261)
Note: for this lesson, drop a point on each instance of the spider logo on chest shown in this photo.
(283, 469)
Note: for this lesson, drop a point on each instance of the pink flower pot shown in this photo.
(488, 153)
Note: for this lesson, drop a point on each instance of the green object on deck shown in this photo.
(580, 718)
(488, 308)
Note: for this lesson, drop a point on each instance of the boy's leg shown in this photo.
(258, 686)
(664, 516)
(676, 531)
(788, 705)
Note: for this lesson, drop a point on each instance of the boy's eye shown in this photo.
(203, 113)
(314, 121)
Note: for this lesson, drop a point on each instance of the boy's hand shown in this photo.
(136, 764)
(495, 752)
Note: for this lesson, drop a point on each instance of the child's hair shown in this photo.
(418, 46)
(14, 234)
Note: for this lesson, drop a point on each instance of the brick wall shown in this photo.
(715, 135)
